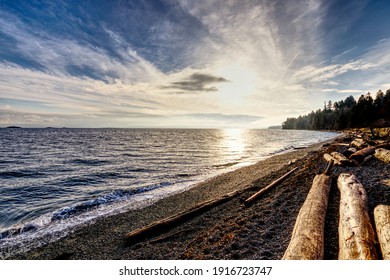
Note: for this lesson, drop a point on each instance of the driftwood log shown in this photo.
(356, 234)
(361, 154)
(254, 197)
(350, 151)
(164, 224)
(358, 143)
(329, 158)
(367, 158)
(341, 158)
(382, 224)
(307, 240)
(383, 155)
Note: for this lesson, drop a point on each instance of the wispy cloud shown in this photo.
(342, 90)
(61, 56)
(129, 63)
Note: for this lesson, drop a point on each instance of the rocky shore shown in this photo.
(228, 230)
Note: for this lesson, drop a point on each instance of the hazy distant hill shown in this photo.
(275, 127)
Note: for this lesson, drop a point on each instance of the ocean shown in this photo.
(53, 180)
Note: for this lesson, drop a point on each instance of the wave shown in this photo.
(284, 149)
(226, 164)
(184, 175)
(80, 181)
(92, 162)
(20, 174)
(74, 210)
(114, 196)
(140, 170)
(17, 230)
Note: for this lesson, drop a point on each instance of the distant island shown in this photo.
(12, 126)
(275, 127)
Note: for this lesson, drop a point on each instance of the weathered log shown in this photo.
(367, 158)
(350, 151)
(339, 144)
(382, 224)
(168, 222)
(358, 143)
(307, 241)
(329, 158)
(385, 145)
(360, 155)
(341, 158)
(328, 168)
(356, 234)
(254, 197)
(383, 155)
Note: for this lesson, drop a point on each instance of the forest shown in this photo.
(368, 111)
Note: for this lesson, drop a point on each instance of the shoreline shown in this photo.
(228, 230)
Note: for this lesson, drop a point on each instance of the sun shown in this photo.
(242, 81)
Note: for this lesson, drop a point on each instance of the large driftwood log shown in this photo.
(307, 241)
(265, 189)
(383, 155)
(360, 155)
(382, 223)
(356, 234)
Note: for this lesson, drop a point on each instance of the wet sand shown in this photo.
(228, 230)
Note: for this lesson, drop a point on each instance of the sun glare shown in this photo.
(233, 141)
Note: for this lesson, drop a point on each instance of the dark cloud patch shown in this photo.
(197, 82)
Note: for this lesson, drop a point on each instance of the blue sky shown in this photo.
(204, 63)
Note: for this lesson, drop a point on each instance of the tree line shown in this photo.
(367, 111)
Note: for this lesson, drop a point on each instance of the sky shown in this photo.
(185, 63)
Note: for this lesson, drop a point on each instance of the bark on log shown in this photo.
(383, 155)
(382, 223)
(307, 241)
(254, 197)
(360, 155)
(329, 158)
(356, 234)
(341, 158)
